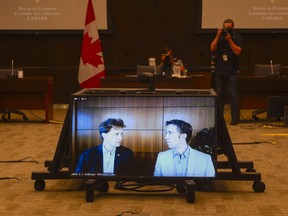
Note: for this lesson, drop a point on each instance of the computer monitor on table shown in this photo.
(6, 73)
(264, 70)
(156, 70)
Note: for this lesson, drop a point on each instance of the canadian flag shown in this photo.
(91, 67)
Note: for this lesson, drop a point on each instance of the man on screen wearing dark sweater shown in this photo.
(109, 157)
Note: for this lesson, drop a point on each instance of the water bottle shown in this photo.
(176, 70)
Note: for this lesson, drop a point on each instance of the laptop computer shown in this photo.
(6, 73)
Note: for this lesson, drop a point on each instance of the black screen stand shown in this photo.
(58, 167)
(225, 147)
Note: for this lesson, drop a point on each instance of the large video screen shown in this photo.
(167, 134)
(247, 14)
(50, 14)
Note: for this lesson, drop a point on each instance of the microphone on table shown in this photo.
(271, 67)
(12, 73)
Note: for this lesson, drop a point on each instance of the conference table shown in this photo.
(253, 91)
(197, 81)
(29, 93)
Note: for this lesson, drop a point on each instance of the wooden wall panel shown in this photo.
(140, 30)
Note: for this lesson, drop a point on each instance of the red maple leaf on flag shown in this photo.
(90, 50)
(91, 67)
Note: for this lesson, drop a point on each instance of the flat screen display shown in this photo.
(50, 14)
(247, 14)
(133, 134)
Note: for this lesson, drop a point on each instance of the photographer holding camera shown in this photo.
(228, 46)
(167, 62)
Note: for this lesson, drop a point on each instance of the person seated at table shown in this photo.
(168, 61)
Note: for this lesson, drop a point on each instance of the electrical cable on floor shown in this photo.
(24, 160)
(262, 126)
(124, 185)
(56, 122)
(128, 212)
(273, 142)
(9, 178)
(277, 124)
(250, 126)
(50, 121)
(36, 116)
(281, 125)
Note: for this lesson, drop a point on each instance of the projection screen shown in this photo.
(247, 14)
(50, 14)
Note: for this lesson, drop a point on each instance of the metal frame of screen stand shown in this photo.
(58, 167)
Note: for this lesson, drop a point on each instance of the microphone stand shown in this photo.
(12, 73)
(272, 71)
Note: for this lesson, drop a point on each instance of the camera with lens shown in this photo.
(226, 31)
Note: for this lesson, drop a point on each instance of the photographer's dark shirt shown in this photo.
(227, 62)
(168, 66)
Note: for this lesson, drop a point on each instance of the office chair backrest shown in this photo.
(263, 70)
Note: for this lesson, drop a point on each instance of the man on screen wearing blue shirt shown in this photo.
(181, 159)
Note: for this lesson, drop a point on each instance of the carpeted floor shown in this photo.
(265, 143)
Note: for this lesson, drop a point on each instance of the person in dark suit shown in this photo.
(109, 157)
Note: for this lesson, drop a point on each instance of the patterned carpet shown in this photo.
(263, 143)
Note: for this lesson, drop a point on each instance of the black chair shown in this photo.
(265, 70)
(6, 113)
(276, 106)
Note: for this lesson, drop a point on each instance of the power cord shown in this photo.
(128, 212)
(36, 116)
(24, 160)
(278, 124)
(56, 122)
(273, 142)
(9, 178)
(250, 126)
(281, 125)
(50, 121)
(137, 187)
